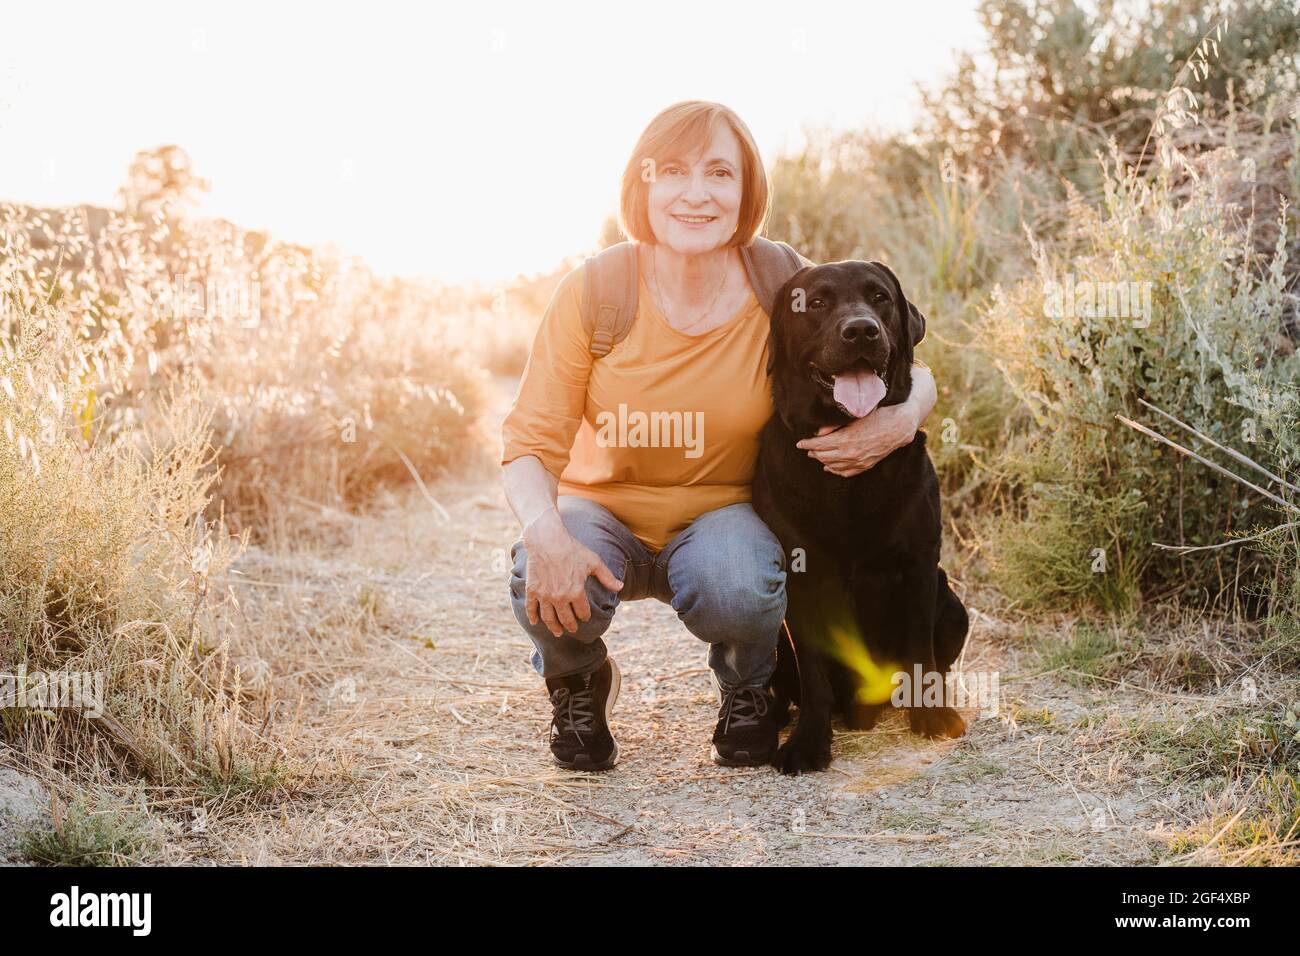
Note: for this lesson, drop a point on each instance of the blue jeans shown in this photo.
(724, 575)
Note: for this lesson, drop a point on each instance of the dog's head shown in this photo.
(841, 344)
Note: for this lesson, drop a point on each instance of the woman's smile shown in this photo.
(694, 220)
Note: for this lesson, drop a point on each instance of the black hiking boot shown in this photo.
(581, 705)
(746, 734)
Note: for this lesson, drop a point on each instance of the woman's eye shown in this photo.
(726, 173)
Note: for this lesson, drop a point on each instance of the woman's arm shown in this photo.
(530, 489)
(863, 443)
(536, 438)
(558, 564)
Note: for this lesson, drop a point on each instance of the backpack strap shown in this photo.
(769, 266)
(610, 285)
(610, 280)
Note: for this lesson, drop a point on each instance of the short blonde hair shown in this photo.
(683, 128)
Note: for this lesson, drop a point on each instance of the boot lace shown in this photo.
(573, 712)
(743, 707)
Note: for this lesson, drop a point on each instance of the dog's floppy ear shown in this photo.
(915, 320)
(915, 324)
(780, 319)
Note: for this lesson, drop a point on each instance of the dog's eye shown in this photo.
(817, 303)
(880, 296)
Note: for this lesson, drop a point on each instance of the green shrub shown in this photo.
(86, 835)
(1280, 545)
(1056, 78)
(1097, 494)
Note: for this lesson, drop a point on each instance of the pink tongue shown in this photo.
(859, 392)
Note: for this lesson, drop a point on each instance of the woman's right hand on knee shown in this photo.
(556, 575)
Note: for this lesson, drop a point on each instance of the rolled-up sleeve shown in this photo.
(548, 407)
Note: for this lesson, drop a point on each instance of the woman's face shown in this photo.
(694, 201)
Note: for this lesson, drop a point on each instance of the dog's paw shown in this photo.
(936, 722)
(863, 716)
(803, 754)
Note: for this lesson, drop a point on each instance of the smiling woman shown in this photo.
(693, 190)
(609, 519)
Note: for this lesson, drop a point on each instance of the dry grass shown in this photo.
(321, 380)
(105, 571)
(1215, 722)
(136, 429)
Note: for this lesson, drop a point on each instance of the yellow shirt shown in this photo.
(662, 429)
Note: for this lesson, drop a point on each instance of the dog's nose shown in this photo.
(863, 328)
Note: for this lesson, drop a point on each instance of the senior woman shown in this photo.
(607, 520)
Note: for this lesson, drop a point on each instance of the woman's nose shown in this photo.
(697, 191)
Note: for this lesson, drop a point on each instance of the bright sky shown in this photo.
(466, 140)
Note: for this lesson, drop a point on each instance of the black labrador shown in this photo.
(867, 597)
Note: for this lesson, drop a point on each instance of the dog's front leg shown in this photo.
(808, 747)
(935, 719)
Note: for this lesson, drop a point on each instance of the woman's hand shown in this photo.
(864, 442)
(557, 571)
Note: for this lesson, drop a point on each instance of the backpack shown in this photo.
(610, 283)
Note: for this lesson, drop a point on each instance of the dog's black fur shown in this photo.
(870, 543)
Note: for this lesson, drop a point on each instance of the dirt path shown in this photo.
(427, 729)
